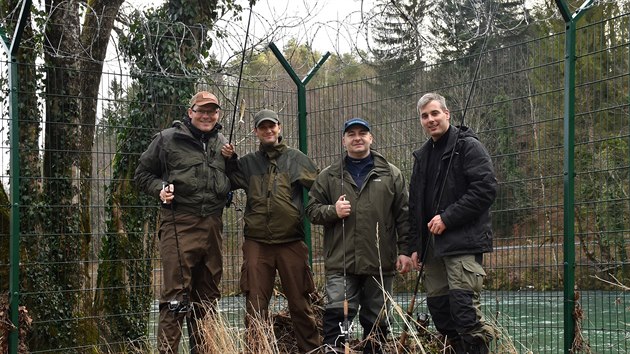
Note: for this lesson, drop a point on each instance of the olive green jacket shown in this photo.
(383, 202)
(273, 178)
(196, 170)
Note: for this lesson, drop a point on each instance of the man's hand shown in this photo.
(227, 150)
(404, 264)
(167, 193)
(436, 225)
(415, 261)
(342, 206)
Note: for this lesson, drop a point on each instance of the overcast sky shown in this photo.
(331, 25)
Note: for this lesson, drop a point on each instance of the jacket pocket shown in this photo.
(185, 175)
(220, 183)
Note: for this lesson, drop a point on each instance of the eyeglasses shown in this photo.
(205, 111)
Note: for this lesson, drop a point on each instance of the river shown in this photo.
(533, 320)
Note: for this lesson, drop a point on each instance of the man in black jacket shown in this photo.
(450, 216)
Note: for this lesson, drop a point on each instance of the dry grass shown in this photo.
(275, 335)
(615, 282)
(219, 337)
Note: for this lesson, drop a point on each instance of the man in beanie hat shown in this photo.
(184, 166)
(274, 178)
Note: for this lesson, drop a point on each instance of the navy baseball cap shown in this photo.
(355, 121)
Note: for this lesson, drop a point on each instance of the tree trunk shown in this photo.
(97, 27)
(73, 55)
(30, 129)
(94, 39)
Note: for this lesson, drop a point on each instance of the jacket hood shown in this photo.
(465, 132)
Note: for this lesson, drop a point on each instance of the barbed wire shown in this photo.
(351, 34)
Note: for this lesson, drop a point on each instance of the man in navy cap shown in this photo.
(362, 201)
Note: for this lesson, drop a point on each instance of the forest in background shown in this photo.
(87, 233)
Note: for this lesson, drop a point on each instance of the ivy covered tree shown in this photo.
(30, 130)
(68, 37)
(168, 49)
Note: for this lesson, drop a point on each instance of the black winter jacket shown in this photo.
(469, 191)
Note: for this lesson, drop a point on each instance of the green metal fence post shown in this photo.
(301, 88)
(569, 168)
(14, 166)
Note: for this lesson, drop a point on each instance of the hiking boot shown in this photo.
(477, 347)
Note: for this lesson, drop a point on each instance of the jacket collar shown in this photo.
(187, 129)
(452, 135)
(381, 166)
(272, 151)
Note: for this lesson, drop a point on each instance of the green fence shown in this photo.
(89, 273)
(517, 110)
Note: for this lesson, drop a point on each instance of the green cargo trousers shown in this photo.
(453, 285)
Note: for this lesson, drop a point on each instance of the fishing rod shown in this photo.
(175, 305)
(345, 326)
(240, 73)
(404, 334)
(230, 195)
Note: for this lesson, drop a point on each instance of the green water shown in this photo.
(533, 320)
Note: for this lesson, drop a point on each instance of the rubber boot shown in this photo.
(475, 347)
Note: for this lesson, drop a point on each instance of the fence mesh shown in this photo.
(516, 109)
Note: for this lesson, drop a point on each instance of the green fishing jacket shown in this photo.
(273, 178)
(196, 170)
(383, 201)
